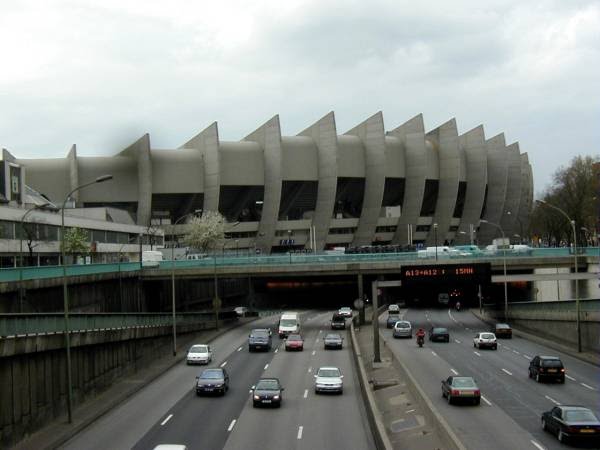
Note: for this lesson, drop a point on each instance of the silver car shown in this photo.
(199, 354)
(329, 379)
(402, 328)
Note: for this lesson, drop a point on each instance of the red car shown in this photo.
(294, 342)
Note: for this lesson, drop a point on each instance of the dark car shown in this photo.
(461, 388)
(502, 330)
(338, 322)
(267, 391)
(572, 422)
(212, 381)
(391, 320)
(294, 342)
(547, 368)
(259, 339)
(333, 341)
(439, 334)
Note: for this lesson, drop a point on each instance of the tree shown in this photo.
(29, 234)
(76, 242)
(574, 190)
(205, 231)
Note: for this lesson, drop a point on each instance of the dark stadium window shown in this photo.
(422, 228)
(430, 198)
(484, 203)
(298, 199)
(393, 192)
(241, 203)
(168, 208)
(348, 198)
(453, 228)
(460, 200)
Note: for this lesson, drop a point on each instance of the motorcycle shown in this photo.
(420, 340)
(458, 306)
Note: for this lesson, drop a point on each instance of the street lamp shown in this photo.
(217, 300)
(22, 231)
(435, 225)
(197, 211)
(520, 226)
(66, 293)
(503, 264)
(129, 241)
(572, 222)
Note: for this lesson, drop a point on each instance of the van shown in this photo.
(151, 258)
(289, 323)
(442, 252)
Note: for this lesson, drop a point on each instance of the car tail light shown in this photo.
(562, 370)
(477, 392)
(571, 429)
(455, 392)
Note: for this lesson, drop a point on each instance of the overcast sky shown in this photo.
(100, 74)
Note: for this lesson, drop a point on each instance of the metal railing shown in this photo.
(17, 325)
(44, 272)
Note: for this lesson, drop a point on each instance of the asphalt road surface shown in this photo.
(169, 412)
(512, 403)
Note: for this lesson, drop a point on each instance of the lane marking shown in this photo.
(457, 341)
(537, 445)
(231, 425)
(454, 371)
(166, 420)
(477, 353)
(317, 341)
(467, 328)
(320, 331)
(309, 369)
(300, 428)
(527, 356)
(486, 400)
(514, 351)
(507, 372)
(411, 410)
(570, 377)
(305, 393)
(507, 347)
(239, 349)
(552, 400)
(276, 350)
(266, 366)
(433, 353)
(314, 352)
(451, 317)
(589, 387)
(224, 364)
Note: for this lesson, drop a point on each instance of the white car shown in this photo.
(345, 311)
(485, 339)
(329, 379)
(199, 354)
(241, 311)
(393, 309)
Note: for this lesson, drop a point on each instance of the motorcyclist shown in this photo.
(458, 306)
(420, 335)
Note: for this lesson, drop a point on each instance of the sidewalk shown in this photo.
(408, 424)
(59, 431)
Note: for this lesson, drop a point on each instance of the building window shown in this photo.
(393, 192)
(422, 228)
(298, 199)
(241, 203)
(7, 229)
(430, 198)
(349, 198)
(453, 228)
(460, 200)
(386, 229)
(350, 230)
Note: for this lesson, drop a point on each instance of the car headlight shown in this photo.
(256, 397)
(276, 397)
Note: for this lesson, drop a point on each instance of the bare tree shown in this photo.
(205, 231)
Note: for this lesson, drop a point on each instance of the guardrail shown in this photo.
(17, 325)
(44, 272)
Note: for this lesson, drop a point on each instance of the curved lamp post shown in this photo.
(22, 230)
(66, 293)
(217, 300)
(503, 264)
(572, 222)
(197, 211)
(435, 225)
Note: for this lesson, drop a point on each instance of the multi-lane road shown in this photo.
(512, 403)
(168, 411)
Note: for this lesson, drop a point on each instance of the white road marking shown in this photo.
(320, 331)
(317, 340)
(454, 371)
(266, 367)
(486, 400)
(305, 393)
(300, 428)
(552, 400)
(467, 328)
(411, 410)
(514, 351)
(457, 341)
(224, 364)
(570, 377)
(451, 317)
(507, 348)
(231, 425)
(428, 320)
(314, 352)
(477, 353)
(589, 387)
(309, 369)
(166, 420)
(239, 349)
(527, 356)
(537, 445)
(433, 353)
(276, 350)
(507, 372)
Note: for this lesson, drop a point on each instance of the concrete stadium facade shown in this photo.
(364, 187)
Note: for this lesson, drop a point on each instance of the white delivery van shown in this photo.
(151, 258)
(289, 323)
(442, 252)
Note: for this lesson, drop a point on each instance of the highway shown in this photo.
(511, 407)
(168, 410)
